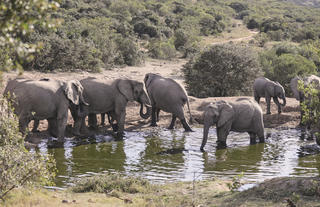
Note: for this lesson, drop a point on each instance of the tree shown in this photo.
(222, 70)
(18, 18)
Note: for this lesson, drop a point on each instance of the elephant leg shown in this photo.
(62, 124)
(111, 119)
(23, 124)
(52, 127)
(35, 125)
(158, 112)
(103, 115)
(173, 121)
(222, 134)
(257, 98)
(92, 121)
(153, 117)
(276, 101)
(121, 115)
(186, 126)
(252, 138)
(268, 99)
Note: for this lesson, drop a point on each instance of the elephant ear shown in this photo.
(74, 92)
(226, 113)
(126, 89)
(270, 88)
(148, 79)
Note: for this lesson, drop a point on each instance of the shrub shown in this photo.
(18, 166)
(108, 182)
(161, 49)
(222, 70)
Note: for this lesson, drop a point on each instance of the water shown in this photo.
(174, 155)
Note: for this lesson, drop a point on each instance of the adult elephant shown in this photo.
(45, 99)
(263, 87)
(242, 115)
(167, 95)
(111, 97)
(298, 94)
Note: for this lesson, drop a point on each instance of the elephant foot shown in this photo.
(114, 127)
(268, 112)
(279, 112)
(35, 130)
(119, 136)
(253, 141)
(261, 140)
(188, 130)
(221, 145)
(153, 124)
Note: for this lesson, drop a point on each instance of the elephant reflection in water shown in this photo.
(234, 159)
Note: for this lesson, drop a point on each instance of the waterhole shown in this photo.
(174, 155)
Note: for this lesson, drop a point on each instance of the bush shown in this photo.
(162, 50)
(108, 182)
(222, 70)
(18, 166)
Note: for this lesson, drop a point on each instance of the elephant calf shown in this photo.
(242, 115)
(263, 87)
(167, 95)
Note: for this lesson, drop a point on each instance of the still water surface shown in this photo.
(174, 155)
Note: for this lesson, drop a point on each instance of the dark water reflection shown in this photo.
(162, 156)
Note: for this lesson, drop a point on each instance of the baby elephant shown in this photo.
(263, 87)
(167, 95)
(242, 115)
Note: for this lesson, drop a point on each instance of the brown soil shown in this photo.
(288, 118)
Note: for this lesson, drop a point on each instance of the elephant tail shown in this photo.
(191, 119)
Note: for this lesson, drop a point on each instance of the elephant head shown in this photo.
(148, 78)
(218, 113)
(275, 89)
(134, 91)
(74, 93)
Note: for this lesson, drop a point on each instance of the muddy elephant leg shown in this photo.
(23, 124)
(121, 115)
(111, 119)
(52, 127)
(35, 125)
(276, 101)
(157, 111)
(92, 121)
(186, 126)
(222, 134)
(153, 117)
(268, 99)
(61, 127)
(173, 121)
(252, 138)
(103, 117)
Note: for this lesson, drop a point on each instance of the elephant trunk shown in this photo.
(147, 114)
(205, 136)
(283, 102)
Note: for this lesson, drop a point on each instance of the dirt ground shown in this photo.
(289, 118)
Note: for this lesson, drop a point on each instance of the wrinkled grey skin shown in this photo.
(312, 79)
(242, 115)
(263, 87)
(45, 99)
(167, 95)
(111, 97)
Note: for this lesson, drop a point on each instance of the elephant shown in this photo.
(263, 87)
(299, 95)
(111, 97)
(167, 95)
(241, 115)
(45, 99)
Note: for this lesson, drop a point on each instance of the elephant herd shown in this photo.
(51, 99)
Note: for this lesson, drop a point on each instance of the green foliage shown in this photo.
(286, 61)
(236, 182)
(18, 19)
(17, 165)
(222, 70)
(311, 106)
(109, 182)
(162, 50)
